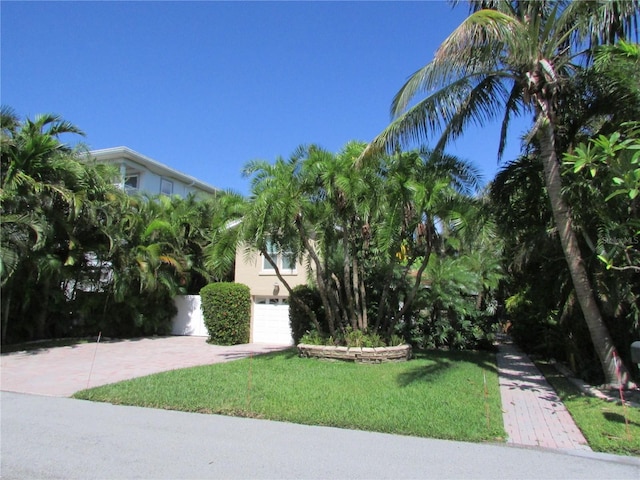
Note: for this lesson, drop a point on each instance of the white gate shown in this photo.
(189, 319)
(271, 322)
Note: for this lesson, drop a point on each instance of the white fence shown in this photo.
(189, 319)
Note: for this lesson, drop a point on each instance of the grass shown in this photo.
(607, 426)
(438, 395)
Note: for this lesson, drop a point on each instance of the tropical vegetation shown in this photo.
(79, 256)
(379, 243)
(511, 57)
(400, 240)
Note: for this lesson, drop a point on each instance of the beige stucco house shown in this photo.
(270, 307)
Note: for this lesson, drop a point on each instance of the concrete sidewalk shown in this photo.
(62, 371)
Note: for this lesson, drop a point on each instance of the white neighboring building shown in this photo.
(143, 174)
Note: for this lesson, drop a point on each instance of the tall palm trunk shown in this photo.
(600, 336)
(347, 281)
(323, 290)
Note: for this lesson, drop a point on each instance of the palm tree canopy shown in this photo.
(493, 62)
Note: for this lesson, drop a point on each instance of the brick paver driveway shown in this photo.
(62, 371)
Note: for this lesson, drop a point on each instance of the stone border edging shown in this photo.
(400, 353)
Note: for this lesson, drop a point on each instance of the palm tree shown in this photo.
(515, 57)
(39, 177)
(286, 212)
(367, 233)
(224, 217)
(425, 193)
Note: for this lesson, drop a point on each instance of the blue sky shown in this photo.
(204, 87)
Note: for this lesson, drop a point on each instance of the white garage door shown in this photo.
(271, 322)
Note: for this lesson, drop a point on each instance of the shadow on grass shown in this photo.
(442, 361)
(616, 417)
(288, 354)
(423, 373)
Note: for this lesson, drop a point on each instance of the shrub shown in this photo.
(313, 338)
(449, 330)
(299, 319)
(351, 338)
(358, 338)
(226, 308)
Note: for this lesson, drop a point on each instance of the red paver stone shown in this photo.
(532, 411)
(62, 371)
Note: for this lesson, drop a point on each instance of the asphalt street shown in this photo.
(52, 437)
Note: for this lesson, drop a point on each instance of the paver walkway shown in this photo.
(62, 371)
(533, 413)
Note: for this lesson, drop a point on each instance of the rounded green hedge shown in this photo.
(226, 308)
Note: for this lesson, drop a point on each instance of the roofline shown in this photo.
(115, 153)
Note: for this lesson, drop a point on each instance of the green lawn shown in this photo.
(607, 426)
(438, 395)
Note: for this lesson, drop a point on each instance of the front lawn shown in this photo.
(449, 395)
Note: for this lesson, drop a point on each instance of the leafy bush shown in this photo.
(351, 338)
(448, 330)
(358, 338)
(299, 319)
(313, 338)
(226, 308)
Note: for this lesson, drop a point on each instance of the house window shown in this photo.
(131, 183)
(286, 261)
(166, 186)
(272, 250)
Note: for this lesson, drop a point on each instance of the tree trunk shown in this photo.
(600, 336)
(320, 278)
(382, 307)
(301, 304)
(429, 242)
(347, 281)
(6, 308)
(363, 301)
